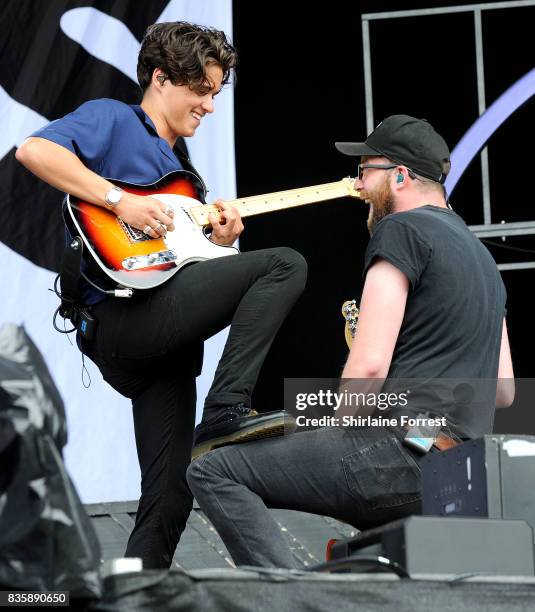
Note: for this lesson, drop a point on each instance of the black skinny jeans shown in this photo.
(148, 349)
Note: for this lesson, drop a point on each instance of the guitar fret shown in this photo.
(282, 199)
(134, 260)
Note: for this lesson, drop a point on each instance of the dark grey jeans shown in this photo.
(363, 476)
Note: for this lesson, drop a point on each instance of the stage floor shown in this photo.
(200, 545)
(203, 576)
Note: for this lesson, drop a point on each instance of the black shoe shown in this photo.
(239, 424)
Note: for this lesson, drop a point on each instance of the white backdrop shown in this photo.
(100, 454)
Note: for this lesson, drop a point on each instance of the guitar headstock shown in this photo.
(349, 184)
(350, 313)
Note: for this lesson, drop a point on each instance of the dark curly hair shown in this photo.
(183, 51)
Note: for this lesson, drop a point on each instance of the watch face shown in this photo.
(113, 196)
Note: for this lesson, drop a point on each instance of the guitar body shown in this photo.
(133, 259)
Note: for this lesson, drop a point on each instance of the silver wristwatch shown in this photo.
(113, 197)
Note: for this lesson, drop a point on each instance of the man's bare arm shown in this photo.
(382, 308)
(62, 169)
(381, 313)
(505, 391)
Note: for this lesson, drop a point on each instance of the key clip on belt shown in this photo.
(422, 437)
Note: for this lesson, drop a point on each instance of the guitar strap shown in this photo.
(71, 306)
(70, 276)
(181, 152)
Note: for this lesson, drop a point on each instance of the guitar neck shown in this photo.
(257, 205)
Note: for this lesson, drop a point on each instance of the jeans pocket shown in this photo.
(382, 474)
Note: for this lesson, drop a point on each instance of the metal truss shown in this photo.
(488, 229)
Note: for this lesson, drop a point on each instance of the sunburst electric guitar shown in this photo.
(135, 260)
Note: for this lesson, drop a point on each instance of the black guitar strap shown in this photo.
(70, 276)
(181, 152)
(71, 306)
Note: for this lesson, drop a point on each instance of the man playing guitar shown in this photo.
(149, 347)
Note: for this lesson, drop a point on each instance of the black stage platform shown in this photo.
(203, 576)
(200, 545)
(236, 590)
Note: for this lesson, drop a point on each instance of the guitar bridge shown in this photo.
(133, 234)
(151, 260)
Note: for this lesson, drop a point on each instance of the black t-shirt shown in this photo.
(453, 318)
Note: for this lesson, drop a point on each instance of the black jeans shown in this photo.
(364, 476)
(148, 349)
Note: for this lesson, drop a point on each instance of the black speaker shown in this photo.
(491, 477)
(424, 545)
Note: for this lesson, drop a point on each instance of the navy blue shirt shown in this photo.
(116, 141)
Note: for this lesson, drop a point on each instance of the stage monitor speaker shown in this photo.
(491, 477)
(425, 545)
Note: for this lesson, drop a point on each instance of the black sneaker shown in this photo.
(239, 424)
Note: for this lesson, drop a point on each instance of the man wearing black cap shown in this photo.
(413, 146)
(432, 310)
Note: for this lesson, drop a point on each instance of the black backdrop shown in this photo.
(301, 88)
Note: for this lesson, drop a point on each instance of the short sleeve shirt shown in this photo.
(117, 141)
(456, 302)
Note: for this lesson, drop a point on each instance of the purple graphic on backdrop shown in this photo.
(476, 137)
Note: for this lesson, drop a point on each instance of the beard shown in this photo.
(381, 200)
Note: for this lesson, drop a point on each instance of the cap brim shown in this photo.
(355, 149)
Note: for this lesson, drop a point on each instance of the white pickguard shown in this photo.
(188, 240)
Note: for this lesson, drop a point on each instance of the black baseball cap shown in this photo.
(406, 141)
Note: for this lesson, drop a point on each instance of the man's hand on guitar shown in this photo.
(152, 217)
(227, 226)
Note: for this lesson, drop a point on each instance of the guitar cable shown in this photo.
(125, 292)
(70, 301)
(58, 309)
(79, 316)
